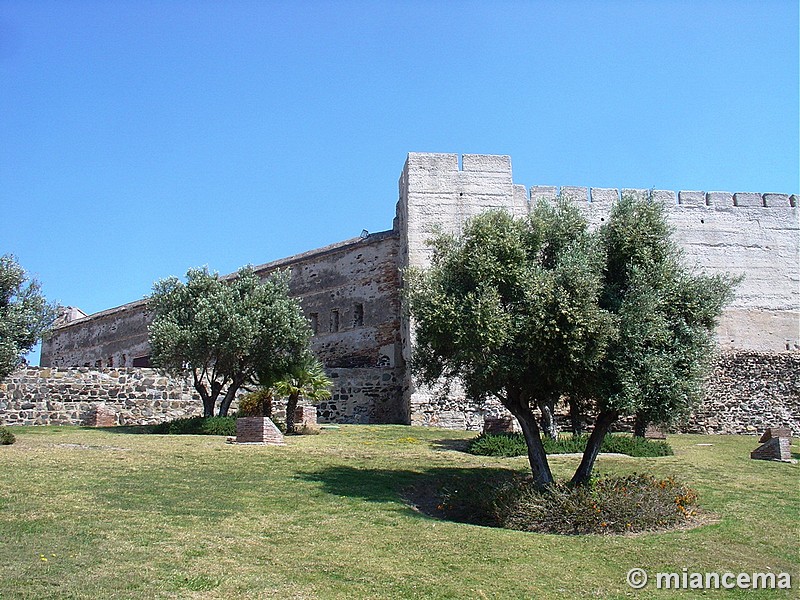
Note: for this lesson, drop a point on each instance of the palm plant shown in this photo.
(306, 380)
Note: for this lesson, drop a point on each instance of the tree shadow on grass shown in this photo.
(127, 429)
(423, 492)
(451, 445)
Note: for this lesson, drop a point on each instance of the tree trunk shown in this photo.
(601, 426)
(291, 405)
(640, 425)
(549, 423)
(230, 394)
(208, 400)
(537, 457)
(575, 417)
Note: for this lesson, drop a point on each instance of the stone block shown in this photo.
(689, 198)
(543, 192)
(598, 195)
(654, 433)
(500, 425)
(749, 199)
(667, 197)
(257, 430)
(638, 193)
(772, 200)
(773, 449)
(486, 163)
(305, 415)
(719, 199)
(775, 432)
(105, 416)
(575, 193)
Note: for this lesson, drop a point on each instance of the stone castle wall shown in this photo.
(351, 291)
(71, 396)
(143, 396)
(750, 234)
(745, 393)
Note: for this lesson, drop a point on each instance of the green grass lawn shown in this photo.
(110, 514)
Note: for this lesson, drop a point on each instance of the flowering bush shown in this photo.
(636, 502)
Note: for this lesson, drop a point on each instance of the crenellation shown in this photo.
(351, 291)
(691, 198)
(599, 195)
(636, 193)
(719, 199)
(776, 200)
(574, 193)
(548, 193)
(748, 199)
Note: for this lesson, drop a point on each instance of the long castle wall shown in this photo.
(351, 291)
(749, 234)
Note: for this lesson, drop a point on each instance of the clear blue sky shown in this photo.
(138, 139)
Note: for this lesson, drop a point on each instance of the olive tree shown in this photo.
(224, 332)
(535, 309)
(25, 315)
(512, 309)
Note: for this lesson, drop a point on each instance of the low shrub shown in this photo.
(198, 426)
(513, 444)
(306, 429)
(256, 404)
(6, 437)
(636, 502)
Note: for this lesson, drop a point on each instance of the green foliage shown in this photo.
(225, 332)
(6, 437)
(513, 444)
(624, 504)
(666, 316)
(198, 426)
(307, 379)
(533, 309)
(256, 404)
(511, 304)
(24, 314)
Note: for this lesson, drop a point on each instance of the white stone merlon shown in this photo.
(719, 199)
(666, 197)
(575, 193)
(638, 193)
(548, 193)
(604, 195)
(692, 198)
(750, 199)
(776, 200)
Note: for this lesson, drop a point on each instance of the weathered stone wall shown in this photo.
(351, 291)
(112, 338)
(364, 395)
(70, 396)
(748, 392)
(753, 235)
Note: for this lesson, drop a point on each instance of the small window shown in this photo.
(110, 362)
(98, 364)
(358, 314)
(314, 319)
(141, 361)
(334, 321)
